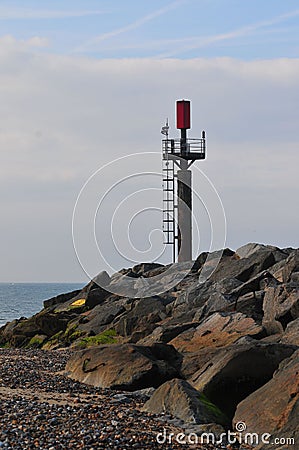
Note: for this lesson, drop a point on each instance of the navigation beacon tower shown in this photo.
(178, 156)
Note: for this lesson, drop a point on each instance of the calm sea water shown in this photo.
(25, 299)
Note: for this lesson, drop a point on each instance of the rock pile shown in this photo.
(219, 351)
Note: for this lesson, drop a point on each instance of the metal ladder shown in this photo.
(169, 203)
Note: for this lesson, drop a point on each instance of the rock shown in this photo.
(143, 268)
(291, 266)
(179, 399)
(95, 320)
(125, 367)
(96, 296)
(250, 304)
(101, 280)
(274, 408)
(8, 330)
(37, 341)
(248, 267)
(249, 249)
(209, 432)
(142, 318)
(98, 283)
(166, 332)
(281, 306)
(123, 285)
(50, 323)
(236, 371)
(208, 296)
(291, 334)
(62, 298)
(18, 333)
(218, 330)
(254, 284)
(199, 262)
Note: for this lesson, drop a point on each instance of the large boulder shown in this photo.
(125, 367)
(281, 306)
(274, 408)
(178, 398)
(218, 330)
(236, 371)
(248, 266)
(199, 299)
(291, 334)
(250, 249)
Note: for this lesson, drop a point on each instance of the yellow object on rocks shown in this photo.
(79, 302)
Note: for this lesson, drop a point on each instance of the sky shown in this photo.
(85, 87)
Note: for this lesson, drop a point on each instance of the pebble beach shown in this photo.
(40, 408)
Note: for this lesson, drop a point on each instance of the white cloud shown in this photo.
(61, 118)
(8, 43)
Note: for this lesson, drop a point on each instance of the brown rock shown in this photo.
(274, 408)
(178, 398)
(218, 330)
(125, 367)
(291, 334)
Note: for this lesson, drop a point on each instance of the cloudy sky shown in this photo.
(84, 83)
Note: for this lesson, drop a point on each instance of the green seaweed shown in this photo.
(75, 335)
(35, 342)
(107, 337)
(213, 408)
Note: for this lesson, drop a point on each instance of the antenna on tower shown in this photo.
(178, 155)
(164, 130)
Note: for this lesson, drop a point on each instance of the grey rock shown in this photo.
(178, 398)
(102, 315)
(236, 371)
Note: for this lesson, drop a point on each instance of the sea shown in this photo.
(25, 299)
